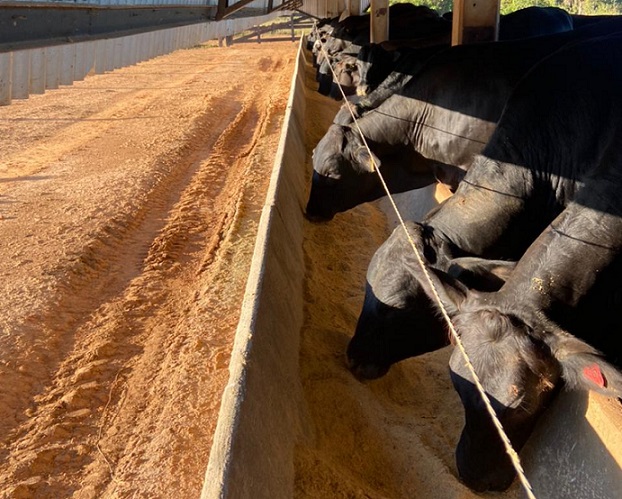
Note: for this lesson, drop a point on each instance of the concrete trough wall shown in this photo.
(259, 420)
(575, 453)
(32, 71)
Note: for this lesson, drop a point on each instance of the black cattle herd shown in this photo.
(525, 256)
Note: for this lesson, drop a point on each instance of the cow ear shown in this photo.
(481, 274)
(366, 159)
(361, 155)
(450, 290)
(583, 367)
(441, 286)
(436, 284)
(396, 55)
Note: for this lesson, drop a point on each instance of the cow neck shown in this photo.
(563, 264)
(383, 126)
(445, 135)
(485, 215)
(402, 169)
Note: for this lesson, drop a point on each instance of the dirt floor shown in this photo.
(128, 207)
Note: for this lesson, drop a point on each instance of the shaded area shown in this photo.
(33, 26)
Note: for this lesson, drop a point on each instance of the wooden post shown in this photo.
(355, 7)
(379, 21)
(475, 21)
(221, 9)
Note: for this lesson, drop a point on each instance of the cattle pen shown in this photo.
(293, 421)
(576, 451)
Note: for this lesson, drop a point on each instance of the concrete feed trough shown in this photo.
(295, 423)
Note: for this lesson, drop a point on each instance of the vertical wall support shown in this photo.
(52, 67)
(118, 53)
(68, 64)
(379, 21)
(37, 71)
(81, 63)
(6, 70)
(21, 74)
(100, 56)
(475, 21)
(89, 67)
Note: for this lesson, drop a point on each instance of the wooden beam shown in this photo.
(475, 21)
(224, 9)
(379, 21)
(354, 6)
(286, 5)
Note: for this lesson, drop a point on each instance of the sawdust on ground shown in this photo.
(391, 438)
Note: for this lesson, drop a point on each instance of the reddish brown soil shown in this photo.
(128, 209)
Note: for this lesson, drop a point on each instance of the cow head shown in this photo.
(343, 174)
(521, 359)
(398, 320)
(346, 77)
(374, 64)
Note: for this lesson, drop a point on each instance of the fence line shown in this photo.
(32, 71)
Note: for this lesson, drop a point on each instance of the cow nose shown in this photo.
(316, 218)
(364, 371)
(487, 485)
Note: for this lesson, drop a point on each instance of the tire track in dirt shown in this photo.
(100, 270)
(215, 347)
(126, 349)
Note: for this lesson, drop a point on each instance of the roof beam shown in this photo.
(224, 9)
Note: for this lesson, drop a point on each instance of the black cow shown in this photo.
(376, 62)
(534, 21)
(579, 21)
(557, 152)
(405, 21)
(431, 130)
(321, 28)
(519, 338)
(558, 121)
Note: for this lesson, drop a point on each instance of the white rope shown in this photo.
(506, 441)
